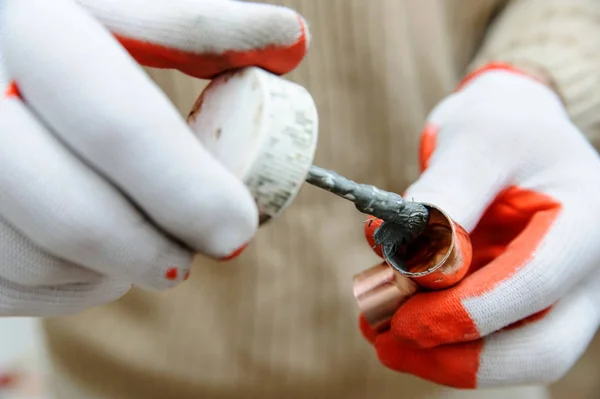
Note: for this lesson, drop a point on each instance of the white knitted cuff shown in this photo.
(558, 40)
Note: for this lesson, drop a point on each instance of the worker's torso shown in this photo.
(281, 320)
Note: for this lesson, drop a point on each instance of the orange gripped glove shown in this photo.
(502, 158)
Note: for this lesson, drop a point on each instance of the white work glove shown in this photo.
(503, 159)
(102, 184)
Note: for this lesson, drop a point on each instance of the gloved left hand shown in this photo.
(102, 184)
(502, 158)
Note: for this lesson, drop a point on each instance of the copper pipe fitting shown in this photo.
(439, 258)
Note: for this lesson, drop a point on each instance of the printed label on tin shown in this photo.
(287, 154)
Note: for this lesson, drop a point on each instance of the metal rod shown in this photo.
(409, 218)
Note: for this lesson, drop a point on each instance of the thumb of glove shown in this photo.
(457, 177)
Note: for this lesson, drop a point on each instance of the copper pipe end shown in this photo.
(379, 292)
(439, 258)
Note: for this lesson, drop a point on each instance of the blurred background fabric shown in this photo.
(370, 95)
(23, 366)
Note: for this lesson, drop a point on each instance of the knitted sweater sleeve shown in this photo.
(559, 41)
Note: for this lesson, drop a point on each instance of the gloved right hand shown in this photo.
(102, 184)
(502, 157)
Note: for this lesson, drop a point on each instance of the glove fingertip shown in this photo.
(368, 333)
(278, 59)
(234, 254)
(270, 37)
(371, 225)
(162, 280)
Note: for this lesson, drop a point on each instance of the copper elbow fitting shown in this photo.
(437, 259)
